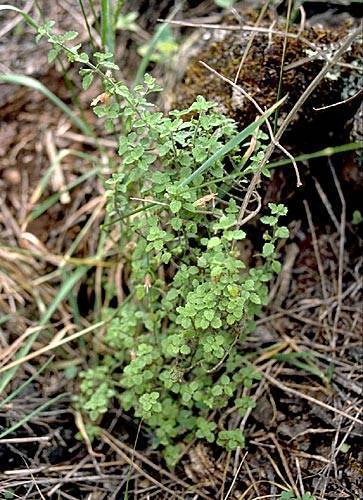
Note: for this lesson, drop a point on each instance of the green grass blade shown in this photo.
(302, 360)
(87, 24)
(158, 35)
(231, 144)
(5, 318)
(107, 29)
(49, 202)
(150, 50)
(24, 384)
(64, 291)
(94, 13)
(26, 16)
(32, 414)
(29, 82)
(329, 151)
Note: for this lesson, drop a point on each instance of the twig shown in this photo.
(325, 475)
(84, 139)
(260, 390)
(53, 480)
(250, 41)
(326, 204)
(52, 345)
(69, 474)
(145, 200)
(235, 476)
(17, 440)
(57, 180)
(341, 245)
(253, 213)
(312, 322)
(284, 463)
(138, 468)
(257, 29)
(59, 468)
(253, 482)
(316, 250)
(346, 435)
(314, 84)
(351, 98)
(280, 290)
(122, 446)
(287, 389)
(302, 21)
(37, 486)
(283, 55)
(304, 96)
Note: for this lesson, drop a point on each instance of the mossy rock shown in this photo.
(260, 75)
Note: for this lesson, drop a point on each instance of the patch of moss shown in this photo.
(260, 73)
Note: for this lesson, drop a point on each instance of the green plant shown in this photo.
(97, 391)
(175, 353)
(357, 217)
(127, 21)
(289, 495)
(230, 440)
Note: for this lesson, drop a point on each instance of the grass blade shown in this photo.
(107, 30)
(62, 294)
(117, 12)
(53, 198)
(150, 50)
(304, 361)
(329, 151)
(159, 33)
(87, 24)
(26, 16)
(232, 143)
(5, 318)
(326, 152)
(29, 82)
(28, 417)
(24, 384)
(95, 16)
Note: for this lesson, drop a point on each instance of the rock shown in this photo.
(260, 74)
